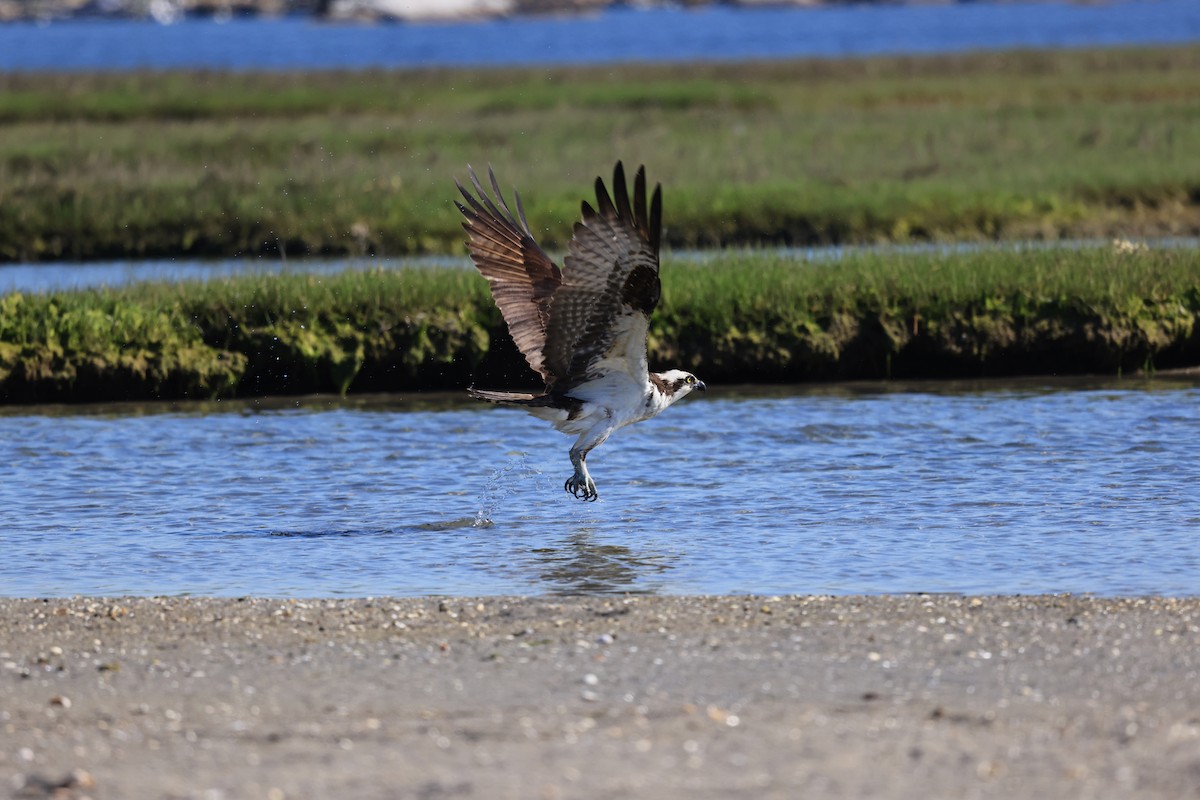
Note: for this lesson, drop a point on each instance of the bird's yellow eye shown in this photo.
(691, 379)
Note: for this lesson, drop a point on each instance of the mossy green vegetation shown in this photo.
(249, 336)
(979, 147)
(882, 315)
(734, 317)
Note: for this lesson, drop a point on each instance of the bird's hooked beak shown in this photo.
(700, 385)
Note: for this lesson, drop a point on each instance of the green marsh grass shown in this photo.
(735, 317)
(978, 147)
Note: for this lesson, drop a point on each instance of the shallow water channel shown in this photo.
(1015, 487)
(71, 275)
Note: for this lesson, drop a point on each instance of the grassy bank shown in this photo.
(735, 318)
(977, 146)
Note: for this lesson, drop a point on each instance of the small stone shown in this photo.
(60, 700)
(605, 638)
(590, 679)
(717, 714)
(81, 779)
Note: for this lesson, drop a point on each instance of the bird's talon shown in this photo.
(581, 488)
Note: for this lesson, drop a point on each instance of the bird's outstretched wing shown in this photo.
(600, 315)
(522, 277)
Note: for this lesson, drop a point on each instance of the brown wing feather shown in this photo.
(523, 279)
(610, 283)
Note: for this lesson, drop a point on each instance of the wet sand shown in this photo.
(706, 697)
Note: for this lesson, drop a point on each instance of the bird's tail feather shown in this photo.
(509, 398)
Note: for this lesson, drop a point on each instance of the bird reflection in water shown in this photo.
(579, 564)
(582, 565)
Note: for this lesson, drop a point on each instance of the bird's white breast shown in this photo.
(611, 400)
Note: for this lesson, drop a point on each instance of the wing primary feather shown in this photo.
(469, 198)
(485, 228)
(499, 247)
(483, 195)
(621, 193)
(500, 196)
(604, 203)
(482, 204)
(639, 198)
(656, 218)
(521, 212)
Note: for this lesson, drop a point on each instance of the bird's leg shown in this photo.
(581, 484)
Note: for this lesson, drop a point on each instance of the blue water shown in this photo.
(623, 34)
(65, 275)
(990, 488)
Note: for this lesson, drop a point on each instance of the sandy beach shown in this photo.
(687, 697)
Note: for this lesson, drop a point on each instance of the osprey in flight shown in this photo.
(582, 328)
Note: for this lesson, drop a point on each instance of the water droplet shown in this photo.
(501, 485)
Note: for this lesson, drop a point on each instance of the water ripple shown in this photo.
(994, 489)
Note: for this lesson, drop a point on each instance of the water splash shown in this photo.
(504, 483)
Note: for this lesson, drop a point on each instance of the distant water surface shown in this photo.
(716, 32)
(1022, 487)
(65, 275)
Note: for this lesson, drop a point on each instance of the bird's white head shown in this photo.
(675, 384)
